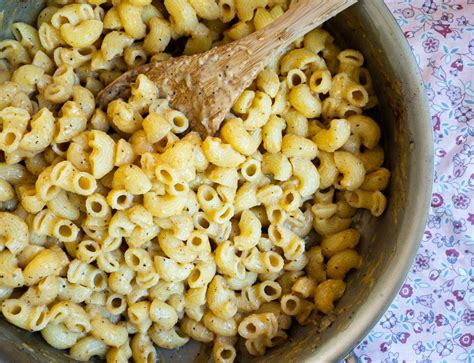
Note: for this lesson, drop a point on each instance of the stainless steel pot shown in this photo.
(389, 243)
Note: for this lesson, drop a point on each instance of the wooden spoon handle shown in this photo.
(302, 17)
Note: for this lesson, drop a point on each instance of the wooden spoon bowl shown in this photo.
(205, 86)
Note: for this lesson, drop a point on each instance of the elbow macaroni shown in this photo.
(121, 223)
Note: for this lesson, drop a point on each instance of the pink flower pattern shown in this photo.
(432, 317)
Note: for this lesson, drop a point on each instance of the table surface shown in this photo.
(432, 317)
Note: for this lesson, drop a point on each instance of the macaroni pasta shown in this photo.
(121, 229)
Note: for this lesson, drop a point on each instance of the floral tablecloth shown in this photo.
(432, 318)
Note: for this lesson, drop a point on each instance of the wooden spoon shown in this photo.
(205, 86)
